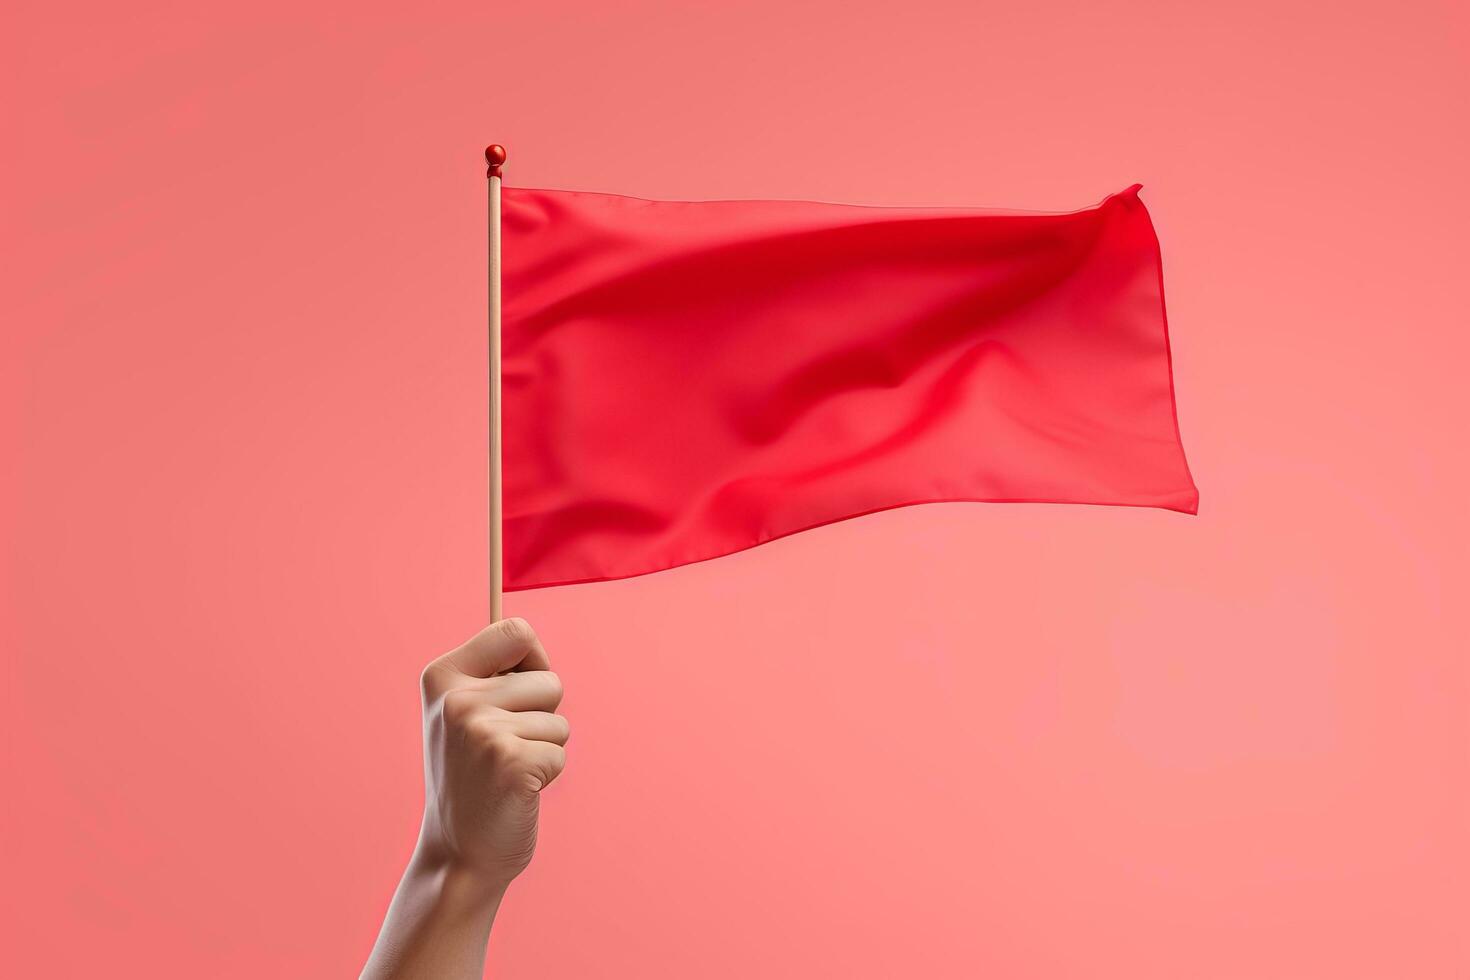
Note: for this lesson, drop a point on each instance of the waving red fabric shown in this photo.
(684, 380)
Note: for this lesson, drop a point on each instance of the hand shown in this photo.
(492, 743)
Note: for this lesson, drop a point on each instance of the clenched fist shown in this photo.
(492, 742)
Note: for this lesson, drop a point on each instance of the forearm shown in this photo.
(437, 926)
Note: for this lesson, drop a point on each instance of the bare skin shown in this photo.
(492, 742)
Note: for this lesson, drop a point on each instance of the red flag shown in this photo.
(684, 380)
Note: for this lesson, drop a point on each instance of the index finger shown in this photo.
(510, 644)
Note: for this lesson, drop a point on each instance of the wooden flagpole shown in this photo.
(495, 157)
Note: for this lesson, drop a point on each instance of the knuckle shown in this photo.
(554, 688)
(430, 678)
(459, 708)
(498, 746)
(476, 735)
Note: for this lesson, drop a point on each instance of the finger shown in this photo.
(526, 690)
(544, 761)
(538, 726)
(509, 644)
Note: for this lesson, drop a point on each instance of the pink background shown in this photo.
(242, 395)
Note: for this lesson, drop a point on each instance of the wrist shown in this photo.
(457, 887)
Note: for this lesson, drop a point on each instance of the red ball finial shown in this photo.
(495, 156)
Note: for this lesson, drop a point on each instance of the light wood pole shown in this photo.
(495, 157)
